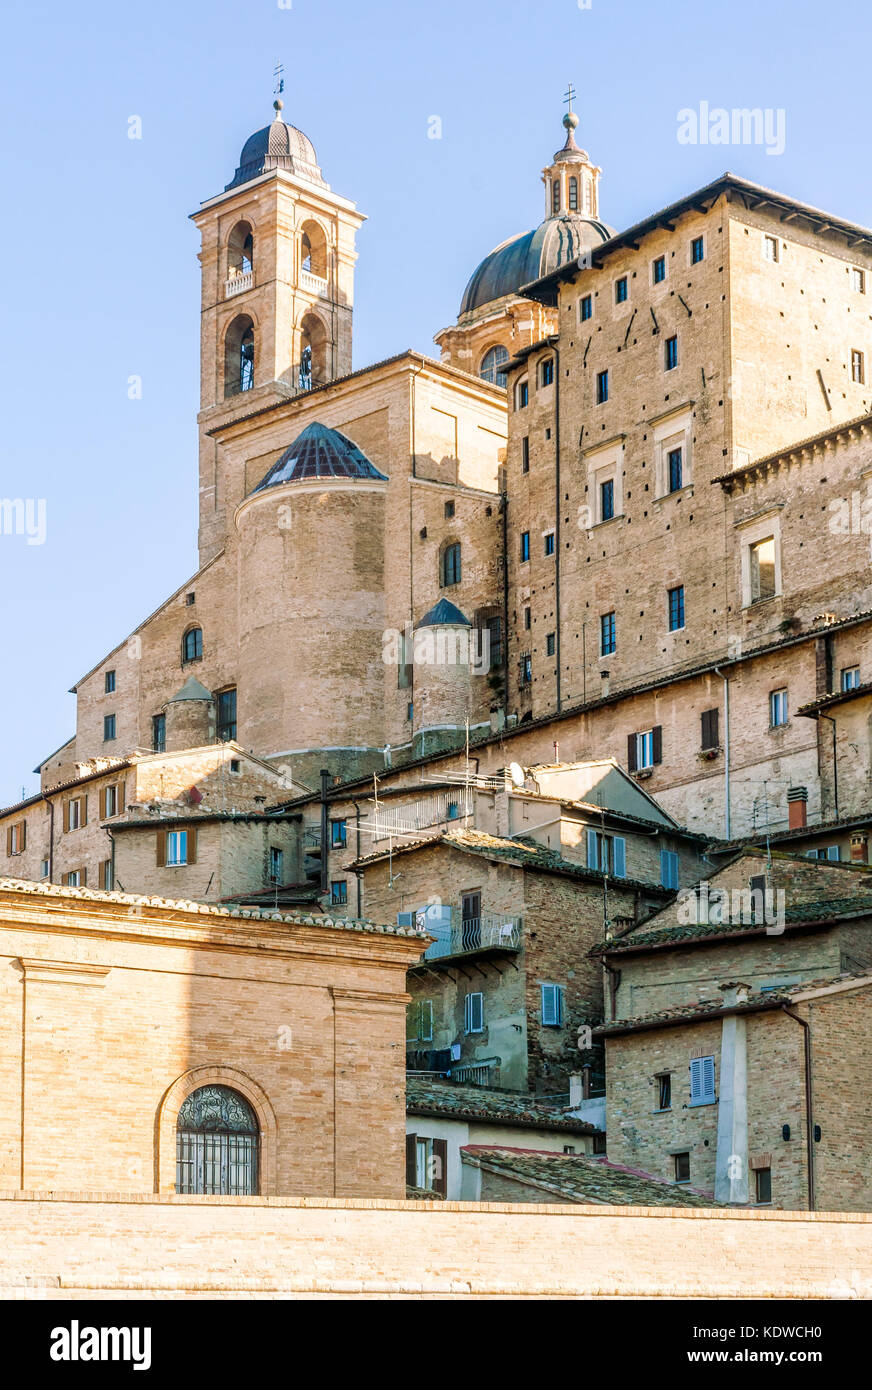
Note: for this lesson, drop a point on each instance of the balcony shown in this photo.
(443, 808)
(237, 284)
(316, 283)
(490, 933)
(312, 839)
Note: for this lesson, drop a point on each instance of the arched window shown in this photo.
(573, 194)
(192, 644)
(555, 195)
(313, 353)
(313, 250)
(491, 363)
(240, 250)
(522, 394)
(217, 1144)
(239, 356)
(451, 564)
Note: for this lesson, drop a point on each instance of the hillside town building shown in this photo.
(509, 651)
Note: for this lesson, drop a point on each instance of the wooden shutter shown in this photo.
(709, 718)
(440, 1167)
(104, 801)
(119, 797)
(552, 1006)
(592, 850)
(192, 845)
(657, 742)
(631, 752)
(161, 849)
(411, 1155)
(619, 857)
(66, 815)
(9, 839)
(83, 878)
(84, 801)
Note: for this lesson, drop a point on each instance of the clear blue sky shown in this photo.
(101, 278)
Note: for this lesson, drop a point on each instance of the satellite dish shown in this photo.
(516, 772)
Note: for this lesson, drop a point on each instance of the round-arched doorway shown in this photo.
(217, 1144)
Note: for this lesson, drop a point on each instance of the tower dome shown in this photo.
(277, 146)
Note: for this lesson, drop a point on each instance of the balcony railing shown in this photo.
(236, 284)
(316, 283)
(459, 935)
(440, 809)
(312, 837)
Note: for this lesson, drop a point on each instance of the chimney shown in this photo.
(797, 798)
(576, 1090)
(859, 848)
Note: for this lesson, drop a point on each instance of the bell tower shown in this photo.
(277, 261)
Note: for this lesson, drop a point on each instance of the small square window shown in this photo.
(108, 728)
(676, 608)
(449, 509)
(234, 764)
(621, 290)
(550, 644)
(190, 599)
(777, 708)
(607, 634)
(763, 1184)
(585, 308)
(658, 270)
(850, 677)
(770, 248)
(549, 543)
(338, 893)
(602, 387)
(109, 685)
(697, 250)
(671, 353)
(682, 1167)
(858, 281)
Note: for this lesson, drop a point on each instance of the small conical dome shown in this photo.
(191, 690)
(444, 614)
(320, 452)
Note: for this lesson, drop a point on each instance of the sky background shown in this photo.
(102, 280)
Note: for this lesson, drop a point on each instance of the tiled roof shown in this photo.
(578, 1178)
(837, 697)
(700, 1010)
(808, 914)
(256, 914)
(802, 832)
(422, 1194)
(488, 1106)
(524, 852)
(112, 765)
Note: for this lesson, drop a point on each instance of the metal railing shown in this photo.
(442, 808)
(463, 935)
(311, 837)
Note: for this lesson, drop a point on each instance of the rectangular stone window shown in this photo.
(607, 499)
(473, 1013)
(778, 708)
(525, 454)
(697, 250)
(608, 634)
(549, 542)
(675, 469)
(109, 683)
(227, 715)
(658, 270)
(525, 546)
(585, 308)
(763, 1185)
(682, 1167)
(675, 599)
(858, 280)
(664, 1091)
(338, 893)
(770, 248)
(762, 561)
(602, 387)
(621, 290)
(108, 728)
(276, 858)
(850, 677)
(858, 367)
(671, 354)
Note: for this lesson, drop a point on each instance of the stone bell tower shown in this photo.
(277, 258)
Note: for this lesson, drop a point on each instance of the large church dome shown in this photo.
(524, 258)
(277, 146)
